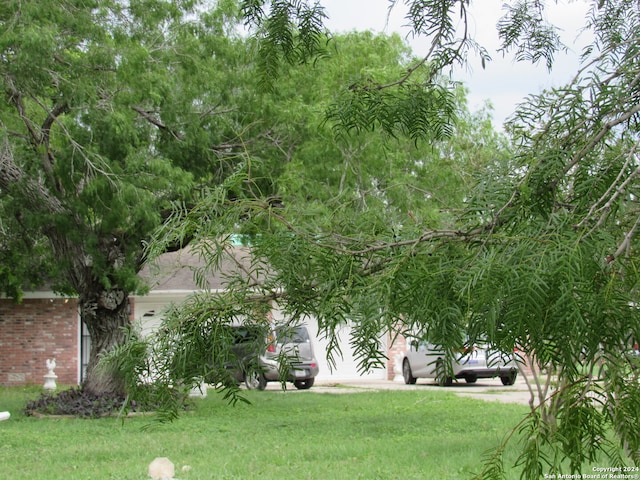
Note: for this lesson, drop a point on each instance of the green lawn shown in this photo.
(281, 435)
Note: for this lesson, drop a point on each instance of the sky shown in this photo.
(504, 83)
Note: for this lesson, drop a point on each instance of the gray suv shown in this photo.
(284, 353)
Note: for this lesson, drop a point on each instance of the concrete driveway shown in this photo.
(489, 390)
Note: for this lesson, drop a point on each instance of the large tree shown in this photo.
(111, 112)
(542, 258)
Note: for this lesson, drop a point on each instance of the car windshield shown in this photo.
(286, 334)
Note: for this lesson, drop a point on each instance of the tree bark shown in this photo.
(106, 315)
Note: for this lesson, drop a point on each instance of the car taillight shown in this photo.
(464, 350)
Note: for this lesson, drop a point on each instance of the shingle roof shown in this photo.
(175, 271)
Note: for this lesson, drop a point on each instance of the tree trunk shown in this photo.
(106, 315)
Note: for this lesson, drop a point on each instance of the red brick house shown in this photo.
(43, 326)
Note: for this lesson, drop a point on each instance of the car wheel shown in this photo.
(255, 381)
(304, 384)
(409, 379)
(509, 379)
(444, 381)
(447, 381)
(471, 379)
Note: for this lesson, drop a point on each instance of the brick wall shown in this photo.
(32, 332)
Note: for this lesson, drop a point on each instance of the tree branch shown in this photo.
(454, 54)
(626, 243)
(53, 115)
(15, 96)
(154, 121)
(597, 138)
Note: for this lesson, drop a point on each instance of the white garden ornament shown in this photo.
(50, 377)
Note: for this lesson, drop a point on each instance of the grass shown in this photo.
(283, 435)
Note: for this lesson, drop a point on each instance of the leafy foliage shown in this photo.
(537, 254)
(289, 32)
(530, 247)
(525, 29)
(413, 110)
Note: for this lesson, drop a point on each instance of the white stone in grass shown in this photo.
(4, 416)
(161, 469)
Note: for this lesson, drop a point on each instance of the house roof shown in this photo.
(177, 271)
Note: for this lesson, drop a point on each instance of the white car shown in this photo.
(424, 360)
